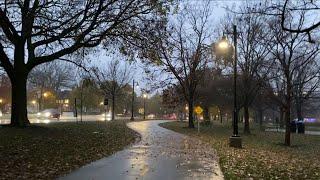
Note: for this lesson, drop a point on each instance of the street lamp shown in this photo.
(223, 44)
(45, 95)
(132, 103)
(34, 102)
(1, 101)
(186, 108)
(235, 139)
(144, 105)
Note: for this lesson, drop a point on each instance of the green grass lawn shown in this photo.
(47, 151)
(263, 155)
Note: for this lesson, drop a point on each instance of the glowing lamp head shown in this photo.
(223, 44)
(145, 96)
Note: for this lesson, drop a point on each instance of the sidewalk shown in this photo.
(160, 155)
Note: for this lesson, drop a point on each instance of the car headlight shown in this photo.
(47, 114)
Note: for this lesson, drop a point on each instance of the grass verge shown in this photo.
(47, 151)
(263, 157)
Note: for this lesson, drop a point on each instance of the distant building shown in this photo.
(63, 100)
(5, 93)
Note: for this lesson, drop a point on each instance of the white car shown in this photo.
(104, 117)
(49, 113)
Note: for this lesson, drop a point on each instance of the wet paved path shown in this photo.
(160, 155)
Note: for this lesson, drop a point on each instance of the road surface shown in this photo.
(160, 155)
(66, 117)
(317, 133)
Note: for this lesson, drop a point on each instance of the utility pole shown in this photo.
(81, 102)
(75, 110)
(132, 114)
(144, 105)
(144, 108)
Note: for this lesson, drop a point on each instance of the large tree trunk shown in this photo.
(191, 124)
(220, 115)
(299, 110)
(206, 115)
(282, 119)
(19, 116)
(18, 78)
(260, 112)
(113, 107)
(287, 141)
(246, 120)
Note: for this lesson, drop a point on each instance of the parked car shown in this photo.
(151, 116)
(172, 116)
(49, 113)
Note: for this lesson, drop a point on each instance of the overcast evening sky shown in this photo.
(218, 11)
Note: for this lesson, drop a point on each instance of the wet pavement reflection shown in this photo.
(161, 154)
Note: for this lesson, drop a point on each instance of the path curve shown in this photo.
(160, 155)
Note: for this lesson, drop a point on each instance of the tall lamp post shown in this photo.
(235, 140)
(132, 103)
(45, 95)
(1, 101)
(144, 105)
(39, 94)
(187, 109)
(34, 102)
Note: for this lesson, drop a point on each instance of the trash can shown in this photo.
(293, 127)
(300, 127)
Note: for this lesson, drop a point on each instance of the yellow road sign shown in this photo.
(198, 110)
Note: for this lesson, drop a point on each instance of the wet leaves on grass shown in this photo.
(263, 155)
(49, 151)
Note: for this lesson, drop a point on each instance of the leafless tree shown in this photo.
(291, 54)
(54, 75)
(33, 32)
(306, 81)
(181, 50)
(253, 52)
(112, 79)
(289, 11)
(216, 91)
